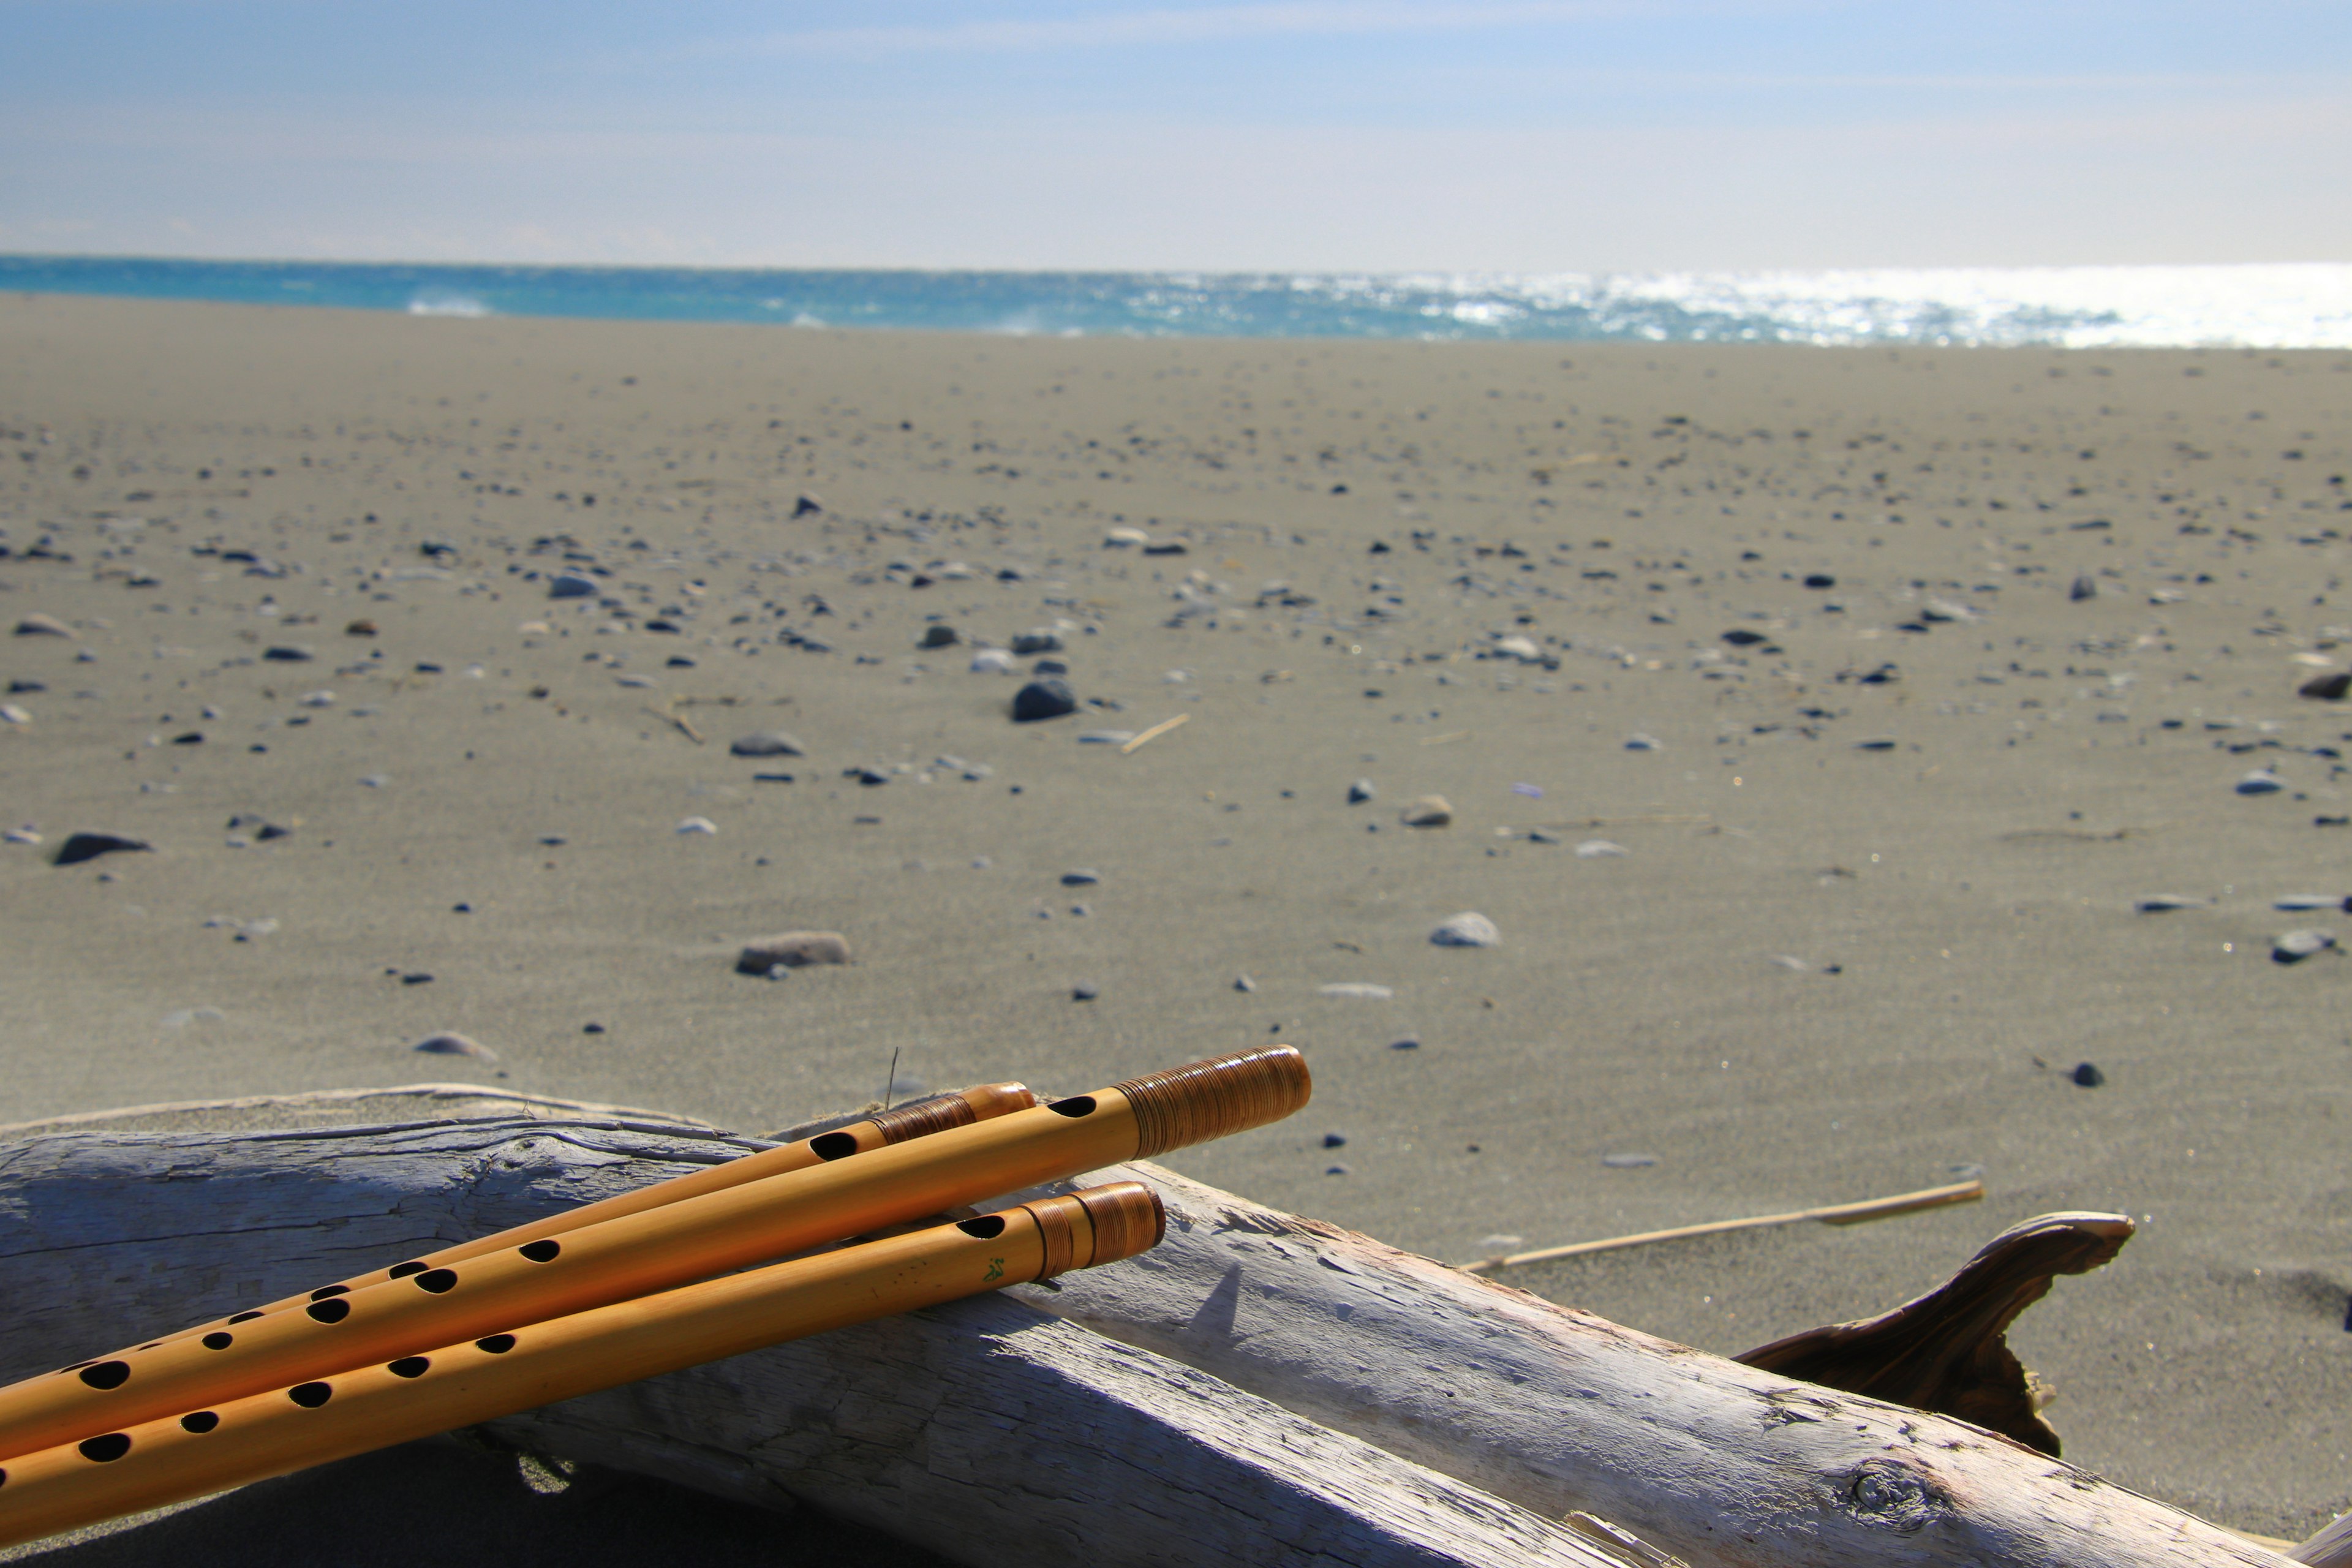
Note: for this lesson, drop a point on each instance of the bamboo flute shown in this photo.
(915, 1118)
(419, 1307)
(276, 1431)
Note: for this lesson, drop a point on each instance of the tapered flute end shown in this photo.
(988, 1100)
(1099, 1226)
(1211, 1099)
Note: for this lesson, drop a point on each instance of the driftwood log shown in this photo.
(984, 1431)
(1285, 1391)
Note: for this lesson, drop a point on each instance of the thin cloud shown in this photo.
(1210, 24)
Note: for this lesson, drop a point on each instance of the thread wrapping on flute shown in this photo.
(285, 1429)
(417, 1307)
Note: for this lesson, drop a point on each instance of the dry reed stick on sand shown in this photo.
(1830, 1214)
(1160, 728)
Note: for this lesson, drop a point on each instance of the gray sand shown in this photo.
(1959, 905)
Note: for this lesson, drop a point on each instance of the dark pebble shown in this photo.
(289, 653)
(939, 636)
(1083, 992)
(2088, 1076)
(80, 847)
(591, 1028)
(1335, 1140)
(1048, 699)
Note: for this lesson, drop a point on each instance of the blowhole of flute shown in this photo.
(1075, 1106)
(833, 1145)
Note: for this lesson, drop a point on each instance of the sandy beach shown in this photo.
(1879, 767)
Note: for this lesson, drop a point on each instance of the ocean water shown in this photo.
(2305, 305)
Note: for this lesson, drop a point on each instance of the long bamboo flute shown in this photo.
(915, 1118)
(270, 1433)
(417, 1308)
(1828, 1214)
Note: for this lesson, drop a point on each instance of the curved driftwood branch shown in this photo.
(1557, 1410)
(1945, 1351)
(985, 1431)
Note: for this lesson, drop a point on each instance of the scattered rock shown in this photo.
(360, 628)
(2084, 588)
(1105, 737)
(2161, 904)
(455, 1045)
(1335, 1140)
(1244, 983)
(12, 714)
(993, 661)
(1125, 538)
(37, 625)
(1742, 636)
(2297, 945)
(2088, 1076)
(2262, 780)
(1048, 699)
(1600, 849)
(1524, 649)
(1628, 1162)
(806, 506)
(938, 635)
(1429, 811)
(1040, 641)
(1820, 580)
(570, 586)
(1082, 877)
(767, 743)
(2313, 902)
(1083, 992)
(1359, 792)
(1468, 929)
(793, 950)
(1643, 744)
(1356, 991)
(289, 653)
(80, 847)
(702, 824)
(2328, 688)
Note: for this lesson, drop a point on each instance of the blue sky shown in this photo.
(1522, 135)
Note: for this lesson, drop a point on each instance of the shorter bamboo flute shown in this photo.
(285, 1429)
(417, 1306)
(932, 1113)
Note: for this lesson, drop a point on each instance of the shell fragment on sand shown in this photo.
(37, 625)
(1356, 991)
(793, 950)
(2262, 780)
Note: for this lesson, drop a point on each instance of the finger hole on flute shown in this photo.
(311, 1396)
(409, 1366)
(540, 1251)
(401, 1270)
(106, 1449)
(107, 1373)
(244, 1317)
(496, 1344)
(984, 1228)
(218, 1341)
(436, 1280)
(330, 1310)
(1075, 1106)
(833, 1146)
(199, 1421)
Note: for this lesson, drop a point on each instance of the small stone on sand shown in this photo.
(1048, 699)
(702, 824)
(767, 743)
(1468, 929)
(938, 635)
(570, 586)
(2088, 1076)
(1084, 877)
(2297, 945)
(1360, 790)
(1356, 991)
(1642, 743)
(455, 1045)
(1429, 811)
(1628, 1162)
(2261, 782)
(2328, 688)
(1040, 641)
(37, 625)
(1600, 849)
(993, 661)
(793, 950)
(80, 847)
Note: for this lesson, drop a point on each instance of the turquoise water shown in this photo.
(2286, 306)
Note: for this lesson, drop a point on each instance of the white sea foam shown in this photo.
(448, 305)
